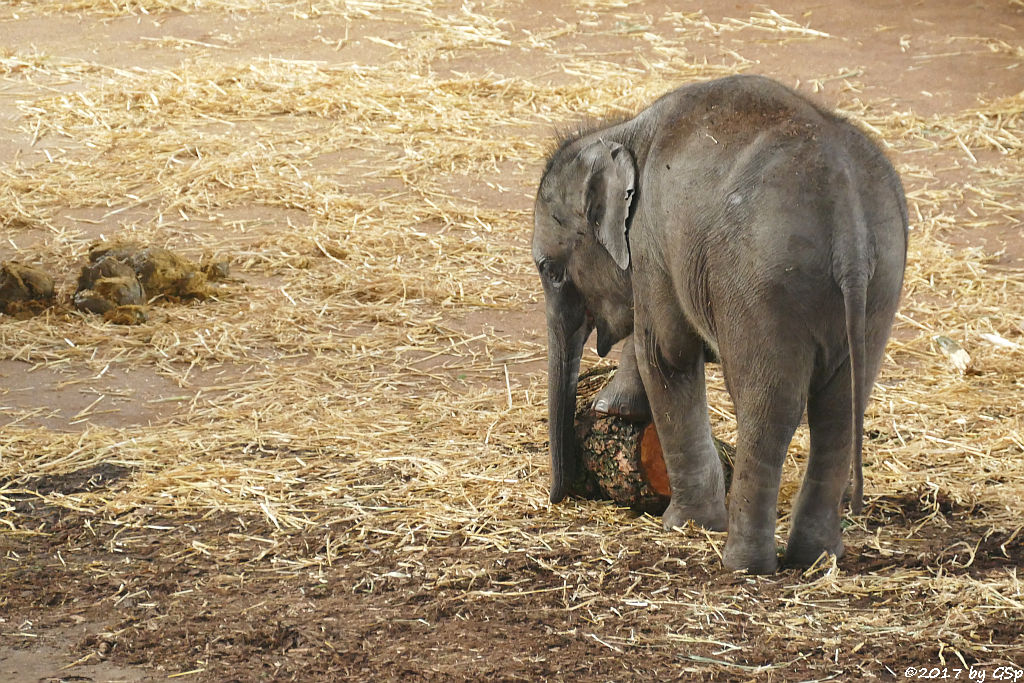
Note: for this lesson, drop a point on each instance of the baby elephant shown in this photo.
(734, 218)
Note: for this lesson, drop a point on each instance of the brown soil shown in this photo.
(392, 617)
(144, 591)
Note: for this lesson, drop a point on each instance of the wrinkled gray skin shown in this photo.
(731, 217)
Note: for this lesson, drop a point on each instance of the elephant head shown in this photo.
(581, 248)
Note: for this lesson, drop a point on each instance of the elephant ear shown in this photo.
(610, 189)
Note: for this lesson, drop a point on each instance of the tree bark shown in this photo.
(622, 460)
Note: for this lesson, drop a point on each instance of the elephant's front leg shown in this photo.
(624, 396)
(678, 404)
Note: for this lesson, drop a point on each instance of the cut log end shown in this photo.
(620, 460)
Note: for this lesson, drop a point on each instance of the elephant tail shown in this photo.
(854, 300)
(853, 260)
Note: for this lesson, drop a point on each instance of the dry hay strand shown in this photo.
(780, 27)
(993, 44)
(299, 8)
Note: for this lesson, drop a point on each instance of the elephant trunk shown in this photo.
(568, 329)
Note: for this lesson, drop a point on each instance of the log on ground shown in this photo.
(621, 460)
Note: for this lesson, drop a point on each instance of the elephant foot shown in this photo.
(759, 557)
(624, 397)
(711, 517)
(807, 544)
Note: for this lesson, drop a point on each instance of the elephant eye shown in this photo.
(551, 271)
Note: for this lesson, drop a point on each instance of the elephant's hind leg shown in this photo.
(768, 410)
(815, 520)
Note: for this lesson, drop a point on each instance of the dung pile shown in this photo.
(107, 283)
(121, 278)
(24, 290)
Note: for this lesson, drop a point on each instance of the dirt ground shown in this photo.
(337, 467)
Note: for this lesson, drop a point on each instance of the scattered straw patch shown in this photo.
(342, 408)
